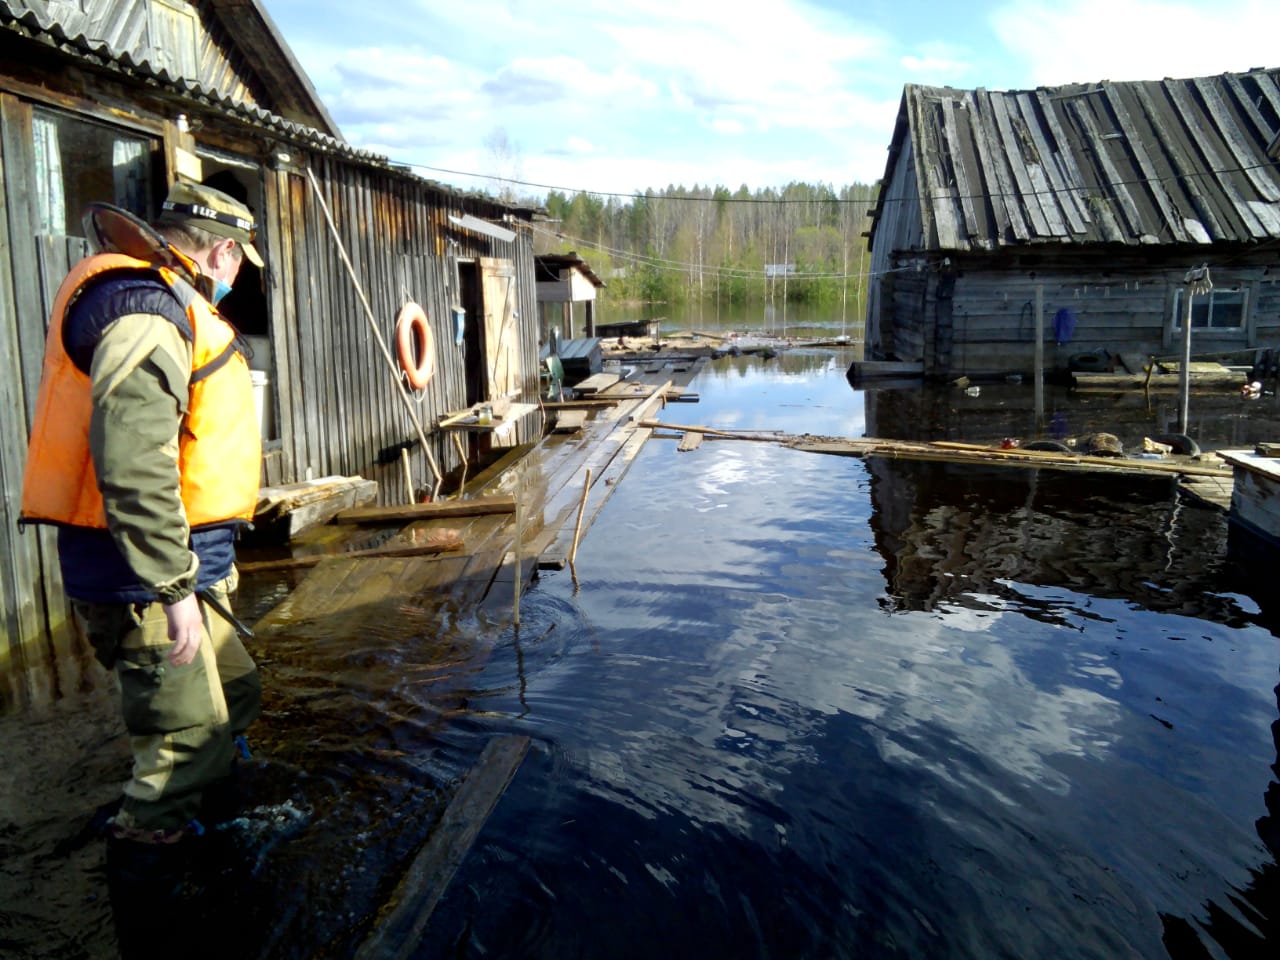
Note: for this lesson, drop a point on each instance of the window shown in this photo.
(1222, 308)
(78, 162)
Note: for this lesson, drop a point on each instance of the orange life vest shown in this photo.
(219, 447)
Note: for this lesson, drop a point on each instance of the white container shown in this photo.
(261, 347)
(262, 401)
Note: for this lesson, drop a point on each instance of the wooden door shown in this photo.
(501, 329)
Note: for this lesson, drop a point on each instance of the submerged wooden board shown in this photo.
(442, 544)
(476, 507)
(554, 554)
(432, 869)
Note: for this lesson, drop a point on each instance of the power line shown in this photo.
(834, 199)
(711, 270)
(642, 196)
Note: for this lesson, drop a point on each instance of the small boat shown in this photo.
(861, 371)
(628, 328)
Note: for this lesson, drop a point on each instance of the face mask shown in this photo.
(220, 289)
(212, 288)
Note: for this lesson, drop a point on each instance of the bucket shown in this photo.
(262, 402)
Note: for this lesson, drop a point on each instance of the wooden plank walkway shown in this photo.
(439, 617)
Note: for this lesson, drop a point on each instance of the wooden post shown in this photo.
(1197, 281)
(577, 527)
(408, 476)
(515, 609)
(1039, 357)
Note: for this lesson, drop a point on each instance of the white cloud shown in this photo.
(938, 64)
(724, 91)
(727, 125)
(1076, 41)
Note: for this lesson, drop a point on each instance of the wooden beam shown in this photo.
(581, 404)
(442, 545)
(477, 507)
(439, 858)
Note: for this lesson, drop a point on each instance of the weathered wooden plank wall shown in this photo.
(336, 397)
(1126, 310)
(900, 223)
(35, 619)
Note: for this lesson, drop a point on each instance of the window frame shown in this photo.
(1240, 288)
(152, 143)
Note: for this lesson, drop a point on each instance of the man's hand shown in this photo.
(186, 629)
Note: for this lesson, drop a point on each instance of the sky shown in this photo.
(616, 96)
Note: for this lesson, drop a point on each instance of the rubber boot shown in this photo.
(149, 900)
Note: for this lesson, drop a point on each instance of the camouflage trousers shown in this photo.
(182, 721)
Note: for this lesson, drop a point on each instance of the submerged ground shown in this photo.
(793, 706)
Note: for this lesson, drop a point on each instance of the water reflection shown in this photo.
(918, 412)
(948, 530)
(778, 743)
(794, 706)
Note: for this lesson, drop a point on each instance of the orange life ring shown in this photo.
(414, 345)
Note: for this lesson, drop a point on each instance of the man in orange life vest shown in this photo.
(145, 453)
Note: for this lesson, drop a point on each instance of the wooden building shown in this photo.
(1099, 196)
(565, 279)
(115, 99)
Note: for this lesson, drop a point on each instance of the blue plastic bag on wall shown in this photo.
(1064, 325)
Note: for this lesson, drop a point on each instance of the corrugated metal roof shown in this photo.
(547, 266)
(1148, 162)
(116, 38)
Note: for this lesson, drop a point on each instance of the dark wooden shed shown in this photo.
(114, 100)
(1101, 196)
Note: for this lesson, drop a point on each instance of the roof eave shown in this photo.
(273, 57)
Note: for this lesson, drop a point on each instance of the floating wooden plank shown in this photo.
(596, 382)
(690, 441)
(570, 421)
(945, 452)
(476, 507)
(441, 544)
(954, 452)
(585, 404)
(1157, 381)
(433, 867)
(288, 511)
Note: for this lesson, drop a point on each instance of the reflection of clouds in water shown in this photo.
(728, 465)
(954, 673)
(766, 693)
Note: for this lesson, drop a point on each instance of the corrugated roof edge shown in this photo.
(914, 93)
(27, 23)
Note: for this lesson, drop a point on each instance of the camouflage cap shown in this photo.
(214, 211)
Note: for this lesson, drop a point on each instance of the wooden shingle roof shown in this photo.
(1149, 162)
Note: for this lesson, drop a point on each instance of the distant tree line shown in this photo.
(680, 245)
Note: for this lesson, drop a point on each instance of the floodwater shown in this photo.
(794, 705)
